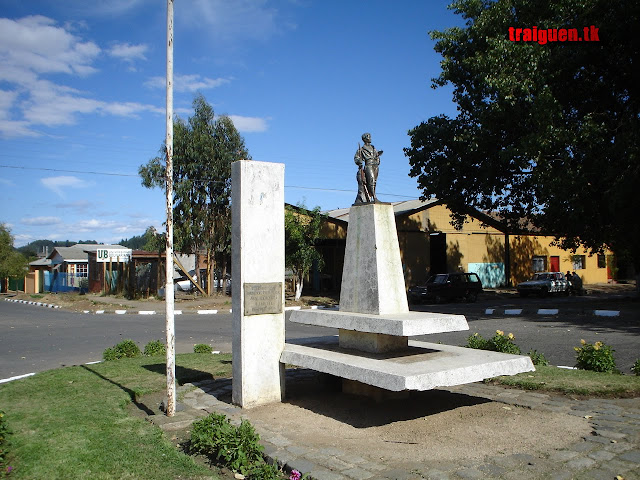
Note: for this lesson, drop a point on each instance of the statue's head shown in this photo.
(366, 137)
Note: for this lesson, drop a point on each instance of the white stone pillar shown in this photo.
(257, 207)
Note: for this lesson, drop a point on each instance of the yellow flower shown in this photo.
(583, 342)
(577, 349)
(597, 345)
(511, 336)
(500, 332)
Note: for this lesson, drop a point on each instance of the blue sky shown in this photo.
(82, 99)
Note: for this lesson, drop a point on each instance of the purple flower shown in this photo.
(295, 475)
(9, 468)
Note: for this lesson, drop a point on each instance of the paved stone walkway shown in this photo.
(612, 449)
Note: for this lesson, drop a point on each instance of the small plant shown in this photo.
(498, 343)
(236, 447)
(597, 357)
(126, 348)
(155, 348)
(636, 368)
(538, 358)
(202, 348)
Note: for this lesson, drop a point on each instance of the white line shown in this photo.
(292, 308)
(515, 311)
(146, 312)
(489, 311)
(207, 312)
(548, 311)
(93, 363)
(120, 312)
(5, 380)
(99, 312)
(607, 313)
(567, 368)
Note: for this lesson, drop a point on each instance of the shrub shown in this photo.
(202, 348)
(636, 368)
(126, 348)
(498, 343)
(597, 357)
(154, 348)
(236, 447)
(538, 358)
(4, 443)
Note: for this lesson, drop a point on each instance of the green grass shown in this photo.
(72, 422)
(575, 382)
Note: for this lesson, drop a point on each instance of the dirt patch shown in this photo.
(429, 426)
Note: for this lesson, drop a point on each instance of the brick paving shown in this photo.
(612, 449)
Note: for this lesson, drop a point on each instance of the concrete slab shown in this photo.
(423, 366)
(401, 324)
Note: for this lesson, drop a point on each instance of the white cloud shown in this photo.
(249, 124)
(41, 221)
(59, 184)
(187, 83)
(129, 53)
(35, 46)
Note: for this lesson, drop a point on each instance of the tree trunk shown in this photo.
(299, 284)
(223, 273)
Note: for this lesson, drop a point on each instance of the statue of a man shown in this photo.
(368, 160)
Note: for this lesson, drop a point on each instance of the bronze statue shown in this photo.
(368, 160)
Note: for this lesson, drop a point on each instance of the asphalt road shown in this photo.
(34, 339)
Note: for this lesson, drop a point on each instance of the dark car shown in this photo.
(447, 286)
(544, 283)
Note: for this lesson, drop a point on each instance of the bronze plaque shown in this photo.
(262, 298)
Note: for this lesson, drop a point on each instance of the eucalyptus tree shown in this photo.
(204, 146)
(546, 130)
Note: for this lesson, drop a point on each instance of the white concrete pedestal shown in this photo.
(258, 282)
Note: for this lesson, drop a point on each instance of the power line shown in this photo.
(86, 172)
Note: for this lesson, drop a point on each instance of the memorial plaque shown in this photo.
(262, 298)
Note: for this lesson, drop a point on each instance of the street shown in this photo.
(34, 339)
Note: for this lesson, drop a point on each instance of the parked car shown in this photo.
(544, 283)
(184, 284)
(447, 286)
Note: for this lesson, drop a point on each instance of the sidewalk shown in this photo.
(609, 450)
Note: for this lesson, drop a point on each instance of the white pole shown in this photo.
(169, 293)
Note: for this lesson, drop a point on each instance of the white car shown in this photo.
(184, 284)
(544, 283)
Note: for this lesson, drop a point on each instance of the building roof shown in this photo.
(78, 252)
(41, 262)
(399, 208)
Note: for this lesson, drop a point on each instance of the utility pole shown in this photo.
(170, 409)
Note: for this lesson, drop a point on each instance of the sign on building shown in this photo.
(113, 255)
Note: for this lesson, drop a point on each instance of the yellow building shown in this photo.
(429, 244)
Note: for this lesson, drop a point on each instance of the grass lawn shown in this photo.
(72, 422)
(574, 382)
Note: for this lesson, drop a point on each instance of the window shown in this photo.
(602, 261)
(82, 269)
(578, 262)
(539, 264)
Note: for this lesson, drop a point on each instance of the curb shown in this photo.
(548, 312)
(29, 302)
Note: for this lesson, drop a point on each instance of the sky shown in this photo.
(82, 100)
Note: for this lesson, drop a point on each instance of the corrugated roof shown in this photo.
(78, 252)
(399, 208)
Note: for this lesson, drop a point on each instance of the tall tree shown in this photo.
(204, 147)
(12, 262)
(301, 232)
(546, 130)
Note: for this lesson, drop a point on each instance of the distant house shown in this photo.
(70, 266)
(429, 244)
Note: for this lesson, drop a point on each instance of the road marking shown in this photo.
(514, 311)
(207, 312)
(120, 312)
(146, 312)
(607, 313)
(5, 380)
(489, 311)
(548, 311)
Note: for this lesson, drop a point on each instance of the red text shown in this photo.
(545, 35)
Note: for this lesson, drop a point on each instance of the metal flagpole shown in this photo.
(170, 409)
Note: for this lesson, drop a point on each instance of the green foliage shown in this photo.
(4, 442)
(597, 357)
(302, 231)
(203, 149)
(126, 348)
(528, 111)
(636, 368)
(538, 358)
(12, 263)
(202, 348)
(155, 348)
(236, 447)
(265, 471)
(498, 343)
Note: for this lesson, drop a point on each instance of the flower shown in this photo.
(295, 475)
(597, 345)
(500, 332)
(577, 349)
(583, 342)
(511, 336)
